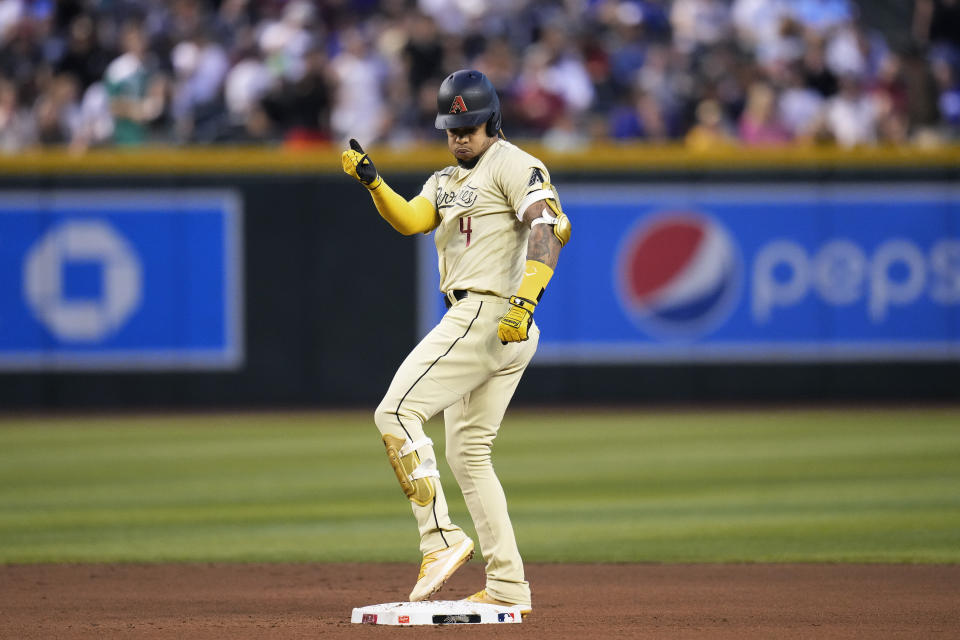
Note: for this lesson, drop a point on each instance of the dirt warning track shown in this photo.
(584, 601)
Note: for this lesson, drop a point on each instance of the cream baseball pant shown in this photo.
(462, 369)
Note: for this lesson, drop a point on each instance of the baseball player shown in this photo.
(499, 230)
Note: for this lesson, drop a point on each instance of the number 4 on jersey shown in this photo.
(468, 229)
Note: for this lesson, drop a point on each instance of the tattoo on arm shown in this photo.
(542, 246)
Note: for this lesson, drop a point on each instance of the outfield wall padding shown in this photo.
(329, 302)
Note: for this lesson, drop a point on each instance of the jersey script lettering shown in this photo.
(465, 197)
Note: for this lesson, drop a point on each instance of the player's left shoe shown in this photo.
(438, 566)
(485, 598)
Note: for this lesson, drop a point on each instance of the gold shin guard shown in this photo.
(414, 476)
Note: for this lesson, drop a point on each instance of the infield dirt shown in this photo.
(240, 601)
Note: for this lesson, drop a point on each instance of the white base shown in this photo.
(435, 612)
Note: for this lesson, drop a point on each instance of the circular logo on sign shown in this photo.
(679, 274)
(82, 242)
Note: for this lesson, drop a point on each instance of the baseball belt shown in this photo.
(453, 296)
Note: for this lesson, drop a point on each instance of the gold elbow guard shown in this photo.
(562, 227)
(414, 476)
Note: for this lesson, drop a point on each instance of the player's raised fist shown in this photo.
(515, 323)
(358, 164)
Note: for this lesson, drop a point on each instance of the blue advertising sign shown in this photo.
(750, 273)
(108, 280)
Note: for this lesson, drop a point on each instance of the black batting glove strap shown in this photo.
(524, 303)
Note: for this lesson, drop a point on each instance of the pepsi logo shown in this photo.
(679, 274)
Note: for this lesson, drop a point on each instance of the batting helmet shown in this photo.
(467, 98)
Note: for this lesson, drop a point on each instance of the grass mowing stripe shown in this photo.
(853, 485)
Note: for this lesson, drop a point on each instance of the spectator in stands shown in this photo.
(851, 114)
(538, 103)
(245, 85)
(641, 118)
(564, 67)
(800, 108)
(200, 65)
(664, 81)
(851, 50)
(723, 73)
(711, 130)
(183, 19)
(498, 62)
(21, 57)
(85, 59)
(136, 92)
(760, 122)
(16, 122)
(358, 106)
(304, 105)
(95, 123)
(784, 45)
(758, 23)
(699, 23)
(233, 25)
(423, 53)
(596, 62)
(817, 74)
(285, 42)
(57, 111)
(889, 91)
(626, 44)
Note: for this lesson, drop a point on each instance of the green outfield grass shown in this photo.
(786, 485)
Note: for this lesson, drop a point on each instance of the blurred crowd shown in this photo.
(84, 73)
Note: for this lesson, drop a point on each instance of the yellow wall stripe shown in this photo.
(259, 160)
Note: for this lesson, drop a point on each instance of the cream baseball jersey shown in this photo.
(481, 242)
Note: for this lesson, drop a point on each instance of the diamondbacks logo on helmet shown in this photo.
(458, 105)
(679, 274)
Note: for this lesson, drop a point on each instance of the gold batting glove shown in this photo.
(358, 164)
(515, 324)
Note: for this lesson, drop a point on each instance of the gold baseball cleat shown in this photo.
(485, 598)
(438, 566)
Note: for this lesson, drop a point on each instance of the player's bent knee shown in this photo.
(386, 420)
(414, 475)
(396, 421)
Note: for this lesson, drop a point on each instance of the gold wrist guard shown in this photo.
(536, 275)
